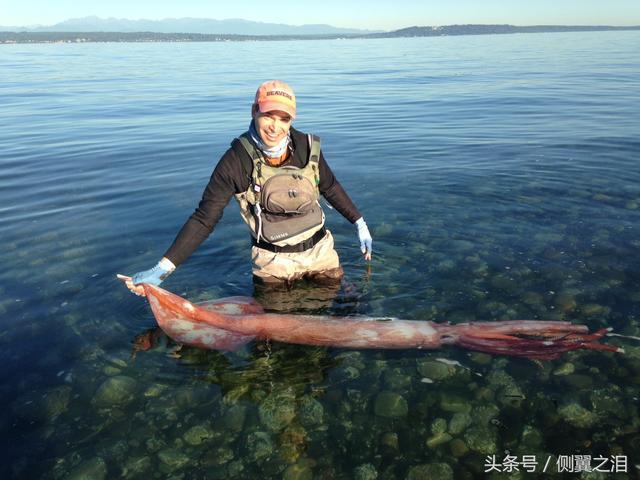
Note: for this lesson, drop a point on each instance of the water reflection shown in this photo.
(309, 296)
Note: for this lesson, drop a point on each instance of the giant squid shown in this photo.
(229, 323)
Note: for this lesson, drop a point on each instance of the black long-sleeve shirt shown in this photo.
(232, 175)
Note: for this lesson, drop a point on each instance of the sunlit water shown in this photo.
(498, 174)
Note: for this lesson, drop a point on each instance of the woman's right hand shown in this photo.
(153, 276)
(128, 281)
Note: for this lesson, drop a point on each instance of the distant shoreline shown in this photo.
(410, 32)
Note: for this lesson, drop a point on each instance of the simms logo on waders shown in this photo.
(276, 236)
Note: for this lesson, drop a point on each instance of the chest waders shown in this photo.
(281, 205)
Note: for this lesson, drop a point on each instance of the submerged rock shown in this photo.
(484, 394)
(56, 401)
(346, 373)
(198, 434)
(594, 476)
(481, 439)
(111, 371)
(301, 470)
(483, 414)
(154, 391)
(438, 439)
(595, 310)
(277, 410)
(234, 469)
(366, 471)
(390, 441)
(218, 456)
(565, 369)
(153, 444)
(94, 469)
(577, 381)
(396, 379)
(480, 358)
(511, 396)
(357, 400)
(310, 411)
(458, 448)
(292, 443)
(533, 298)
(233, 395)
(435, 370)
(439, 425)
(445, 266)
(431, 471)
(115, 391)
(499, 378)
(43, 409)
(259, 446)
(605, 402)
(136, 467)
(383, 229)
(566, 302)
(504, 282)
(577, 415)
(532, 438)
(390, 405)
(173, 458)
(234, 418)
(459, 423)
(454, 404)
(351, 359)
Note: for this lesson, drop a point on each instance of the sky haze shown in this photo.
(383, 15)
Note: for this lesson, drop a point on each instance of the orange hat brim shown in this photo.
(272, 106)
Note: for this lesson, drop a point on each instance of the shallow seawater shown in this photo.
(498, 174)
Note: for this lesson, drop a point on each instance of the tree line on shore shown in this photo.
(81, 37)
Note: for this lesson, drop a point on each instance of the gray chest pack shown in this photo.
(281, 205)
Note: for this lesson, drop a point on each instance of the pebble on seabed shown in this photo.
(577, 415)
(115, 391)
(94, 469)
(390, 405)
(277, 410)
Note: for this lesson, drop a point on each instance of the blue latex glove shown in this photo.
(365, 238)
(155, 275)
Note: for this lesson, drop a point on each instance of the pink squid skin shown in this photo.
(227, 324)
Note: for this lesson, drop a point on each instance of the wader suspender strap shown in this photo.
(255, 159)
(314, 156)
(256, 173)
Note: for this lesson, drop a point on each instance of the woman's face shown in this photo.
(272, 126)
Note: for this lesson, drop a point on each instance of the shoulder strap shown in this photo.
(243, 157)
(249, 147)
(314, 148)
(256, 159)
(314, 156)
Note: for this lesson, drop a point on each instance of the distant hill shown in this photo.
(73, 36)
(491, 29)
(233, 26)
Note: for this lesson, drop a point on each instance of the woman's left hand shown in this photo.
(365, 239)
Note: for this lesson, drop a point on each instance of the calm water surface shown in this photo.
(498, 174)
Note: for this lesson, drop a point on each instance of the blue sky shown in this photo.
(384, 14)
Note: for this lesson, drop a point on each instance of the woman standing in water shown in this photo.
(277, 175)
